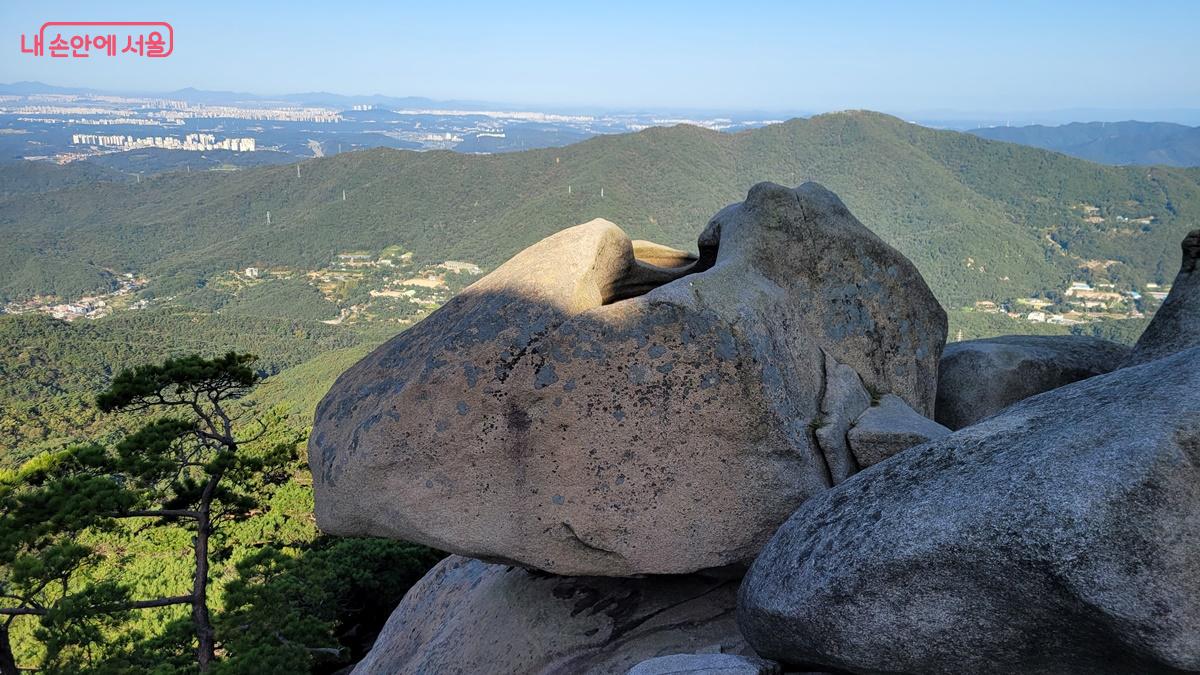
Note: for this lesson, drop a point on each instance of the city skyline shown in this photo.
(305, 100)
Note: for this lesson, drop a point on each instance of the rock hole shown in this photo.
(655, 265)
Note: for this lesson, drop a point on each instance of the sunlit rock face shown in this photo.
(585, 412)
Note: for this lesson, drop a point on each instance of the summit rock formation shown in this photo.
(626, 421)
(600, 407)
(1176, 325)
(1061, 535)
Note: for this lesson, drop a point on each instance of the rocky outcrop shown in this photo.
(1176, 325)
(889, 428)
(468, 616)
(979, 378)
(585, 412)
(1059, 536)
(705, 664)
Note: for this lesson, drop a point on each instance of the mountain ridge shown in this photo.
(981, 218)
(1127, 142)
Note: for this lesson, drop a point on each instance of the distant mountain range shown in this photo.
(959, 120)
(26, 88)
(981, 219)
(1110, 142)
(193, 95)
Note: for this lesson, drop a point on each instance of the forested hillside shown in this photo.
(20, 176)
(981, 219)
(50, 370)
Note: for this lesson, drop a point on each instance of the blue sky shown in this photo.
(789, 56)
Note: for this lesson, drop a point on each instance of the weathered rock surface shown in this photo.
(583, 412)
(1176, 325)
(842, 402)
(468, 616)
(1060, 536)
(889, 428)
(979, 378)
(705, 664)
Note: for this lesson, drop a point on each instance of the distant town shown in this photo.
(95, 306)
(193, 142)
(1082, 303)
(69, 127)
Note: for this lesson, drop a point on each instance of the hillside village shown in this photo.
(1092, 294)
(365, 286)
(95, 306)
(369, 286)
(1080, 303)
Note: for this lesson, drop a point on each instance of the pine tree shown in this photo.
(185, 467)
(189, 466)
(44, 506)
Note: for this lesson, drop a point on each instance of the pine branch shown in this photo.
(119, 607)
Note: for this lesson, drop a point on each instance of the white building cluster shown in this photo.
(196, 142)
(95, 121)
(323, 115)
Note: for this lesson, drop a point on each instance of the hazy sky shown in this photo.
(795, 56)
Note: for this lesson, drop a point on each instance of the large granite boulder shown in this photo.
(979, 378)
(467, 616)
(1060, 536)
(1176, 325)
(586, 413)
